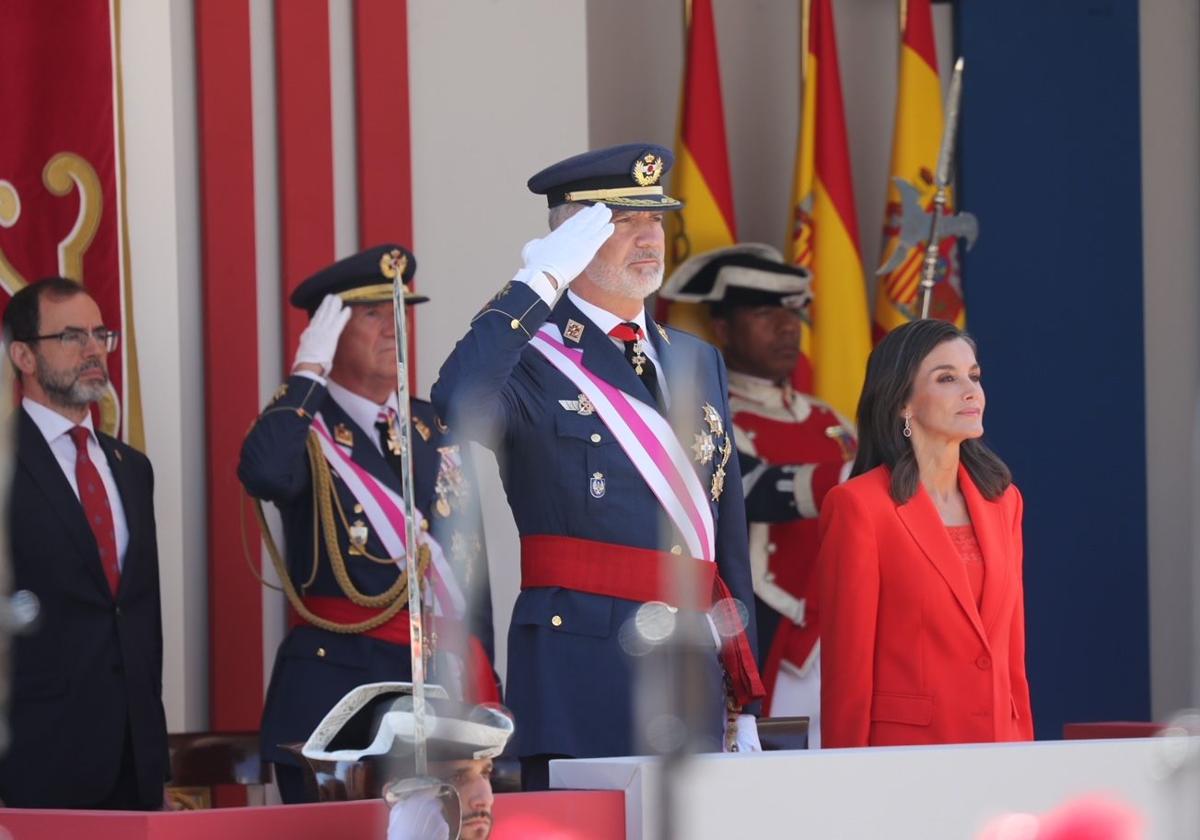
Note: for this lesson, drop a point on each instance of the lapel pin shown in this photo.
(343, 435)
(574, 331)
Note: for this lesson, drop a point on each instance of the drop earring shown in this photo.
(907, 426)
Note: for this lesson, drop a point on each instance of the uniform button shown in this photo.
(595, 437)
(556, 621)
(771, 548)
(321, 652)
(514, 323)
(677, 550)
(983, 663)
(358, 509)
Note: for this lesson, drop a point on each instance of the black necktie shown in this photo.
(630, 334)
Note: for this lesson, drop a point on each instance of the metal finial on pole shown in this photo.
(942, 180)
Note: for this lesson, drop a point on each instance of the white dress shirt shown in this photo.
(56, 429)
(605, 320)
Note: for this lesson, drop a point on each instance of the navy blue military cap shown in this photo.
(628, 177)
(365, 277)
(749, 274)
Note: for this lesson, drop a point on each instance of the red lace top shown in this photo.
(963, 537)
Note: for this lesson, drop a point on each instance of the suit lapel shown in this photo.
(363, 452)
(600, 355)
(923, 522)
(989, 531)
(34, 455)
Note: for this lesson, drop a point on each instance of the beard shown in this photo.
(627, 280)
(65, 387)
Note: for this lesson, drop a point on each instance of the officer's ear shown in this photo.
(22, 357)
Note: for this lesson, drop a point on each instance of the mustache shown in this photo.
(645, 254)
(477, 815)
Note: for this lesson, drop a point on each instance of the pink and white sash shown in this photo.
(384, 509)
(647, 438)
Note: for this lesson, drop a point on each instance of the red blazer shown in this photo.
(906, 657)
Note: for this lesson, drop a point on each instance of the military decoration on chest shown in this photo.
(707, 444)
(451, 484)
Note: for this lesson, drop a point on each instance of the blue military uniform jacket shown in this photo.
(314, 668)
(569, 680)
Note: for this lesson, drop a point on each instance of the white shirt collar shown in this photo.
(604, 319)
(362, 411)
(50, 423)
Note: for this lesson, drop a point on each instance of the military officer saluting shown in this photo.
(326, 452)
(793, 447)
(574, 391)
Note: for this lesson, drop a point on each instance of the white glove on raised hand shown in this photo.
(418, 817)
(565, 252)
(318, 342)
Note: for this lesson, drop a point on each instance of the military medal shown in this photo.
(703, 447)
(574, 331)
(597, 485)
(394, 444)
(450, 482)
(663, 333)
(343, 435)
(639, 358)
(718, 483)
(726, 451)
(586, 409)
(714, 420)
(358, 533)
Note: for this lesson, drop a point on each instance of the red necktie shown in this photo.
(94, 499)
(630, 334)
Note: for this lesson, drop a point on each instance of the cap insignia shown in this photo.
(393, 263)
(647, 170)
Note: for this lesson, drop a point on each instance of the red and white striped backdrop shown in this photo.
(281, 139)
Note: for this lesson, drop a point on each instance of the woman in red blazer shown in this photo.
(923, 622)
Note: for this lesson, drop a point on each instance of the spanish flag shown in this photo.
(701, 172)
(915, 148)
(824, 226)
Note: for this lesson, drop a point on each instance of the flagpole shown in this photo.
(942, 179)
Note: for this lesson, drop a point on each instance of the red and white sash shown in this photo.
(384, 509)
(647, 438)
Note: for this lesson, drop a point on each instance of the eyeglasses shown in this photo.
(76, 338)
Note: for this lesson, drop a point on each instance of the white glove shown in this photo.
(747, 734)
(566, 251)
(418, 817)
(319, 341)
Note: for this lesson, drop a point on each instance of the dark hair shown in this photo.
(22, 317)
(891, 371)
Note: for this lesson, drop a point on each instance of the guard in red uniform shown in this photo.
(793, 449)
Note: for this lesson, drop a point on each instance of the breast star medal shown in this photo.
(703, 447)
(718, 479)
(394, 444)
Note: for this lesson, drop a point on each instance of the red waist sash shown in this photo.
(641, 574)
(481, 684)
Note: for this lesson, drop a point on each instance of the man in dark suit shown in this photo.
(575, 396)
(326, 453)
(87, 719)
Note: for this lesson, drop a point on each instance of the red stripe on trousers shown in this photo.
(230, 352)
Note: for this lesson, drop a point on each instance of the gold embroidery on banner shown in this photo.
(63, 172)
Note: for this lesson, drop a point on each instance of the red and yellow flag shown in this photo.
(824, 227)
(915, 148)
(701, 174)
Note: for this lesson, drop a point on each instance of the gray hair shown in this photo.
(561, 212)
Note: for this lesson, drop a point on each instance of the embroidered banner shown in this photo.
(61, 202)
